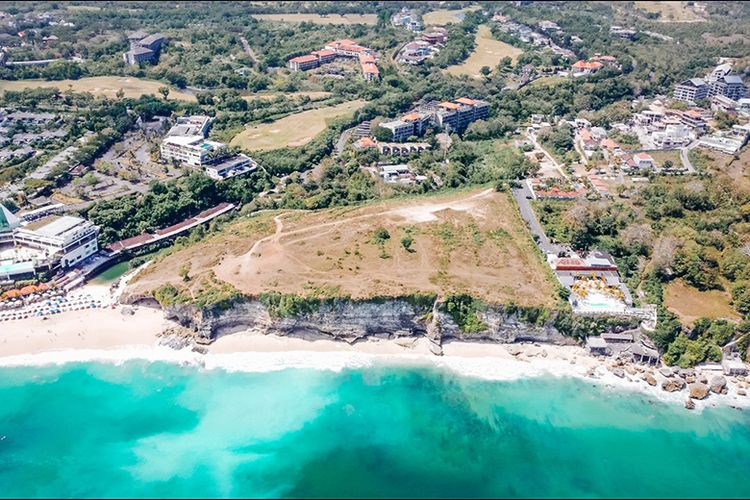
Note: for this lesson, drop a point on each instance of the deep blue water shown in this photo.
(156, 429)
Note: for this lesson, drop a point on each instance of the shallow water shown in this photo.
(159, 429)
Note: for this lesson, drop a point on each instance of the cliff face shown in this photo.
(354, 320)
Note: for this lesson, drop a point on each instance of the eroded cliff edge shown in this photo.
(351, 320)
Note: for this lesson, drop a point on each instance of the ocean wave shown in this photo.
(485, 368)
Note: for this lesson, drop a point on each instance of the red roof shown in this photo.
(212, 211)
(366, 58)
(343, 42)
(449, 105)
(411, 117)
(370, 68)
(466, 100)
(587, 65)
(608, 143)
(353, 48)
(304, 59)
(644, 156)
(175, 227)
(323, 53)
(366, 142)
(130, 242)
(585, 134)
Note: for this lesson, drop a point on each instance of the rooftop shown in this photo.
(54, 225)
(304, 59)
(152, 38)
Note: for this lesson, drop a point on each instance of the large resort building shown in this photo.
(338, 48)
(451, 116)
(143, 47)
(47, 244)
(186, 144)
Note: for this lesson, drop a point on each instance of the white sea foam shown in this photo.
(486, 368)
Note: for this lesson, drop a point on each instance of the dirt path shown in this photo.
(269, 251)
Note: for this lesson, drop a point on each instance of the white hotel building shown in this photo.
(48, 243)
(189, 150)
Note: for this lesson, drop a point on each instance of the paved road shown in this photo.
(685, 157)
(522, 196)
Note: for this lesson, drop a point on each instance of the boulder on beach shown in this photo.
(718, 383)
(650, 379)
(673, 384)
(741, 392)
(666, 371)
(698, 390)
(618, 372)
(690, 404)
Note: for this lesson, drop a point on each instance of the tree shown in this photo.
(120, 94)
(485, 70)
(164, 91)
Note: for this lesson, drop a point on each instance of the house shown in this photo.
(643, 160)
(625, 33)
(691, 90)
(435, 36)
(723, 103)
(673, 135)
(610, 146)
(692, 118)
(549, 26)
(580, 68)
(722, 143)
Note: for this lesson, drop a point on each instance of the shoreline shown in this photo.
(70, 337)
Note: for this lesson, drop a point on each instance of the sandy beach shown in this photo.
(123, 333)
(89, 329)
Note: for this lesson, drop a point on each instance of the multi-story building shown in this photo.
(435, 36)
(324, 56)
(194, 150)
(191, 126)
(691, 90)
(347, 48)
(400, 129)
(303, 63)
(730, 86)
(143, 47)
(63, 239)
(450, 116)
(231, 167)
(338, 48)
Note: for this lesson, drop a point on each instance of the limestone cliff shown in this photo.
(352, 320)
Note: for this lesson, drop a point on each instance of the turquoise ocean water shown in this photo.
(156, 429)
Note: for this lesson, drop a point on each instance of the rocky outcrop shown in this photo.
(718, 384)
(650, 379)
(354, 320)
(690, 404)
(673, 384)
(698, 390)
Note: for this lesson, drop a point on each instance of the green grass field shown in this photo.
(488, 52)
(293, 130)
(101, 86)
